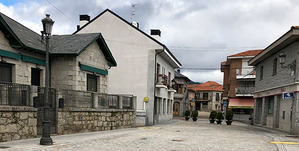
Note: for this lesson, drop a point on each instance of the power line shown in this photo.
(59, 10)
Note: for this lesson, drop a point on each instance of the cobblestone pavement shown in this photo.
(176, 135)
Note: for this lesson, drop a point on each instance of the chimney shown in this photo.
(84, 19)
(134, 23)
(156, 33)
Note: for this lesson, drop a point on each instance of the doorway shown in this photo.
(197, 105)
(176, 109)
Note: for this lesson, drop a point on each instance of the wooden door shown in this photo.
(176, 109)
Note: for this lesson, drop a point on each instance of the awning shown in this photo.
(241, 103)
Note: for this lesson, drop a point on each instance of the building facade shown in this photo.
(208, 96)
(181, 100)
(276, 86)
(145, 65)
(78, 96)
(238, 83)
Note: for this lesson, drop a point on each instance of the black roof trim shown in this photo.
(108, 10)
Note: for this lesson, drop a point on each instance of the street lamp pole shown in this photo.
(47, 28)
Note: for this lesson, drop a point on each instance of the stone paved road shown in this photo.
(176, 135)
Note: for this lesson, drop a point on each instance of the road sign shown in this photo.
(224, 104)
(288, 95)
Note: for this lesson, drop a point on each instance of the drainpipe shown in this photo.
(157, 52)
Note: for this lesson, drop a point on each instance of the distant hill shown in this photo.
(193, 82)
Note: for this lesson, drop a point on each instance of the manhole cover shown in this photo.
(4, 147)
(177, 140)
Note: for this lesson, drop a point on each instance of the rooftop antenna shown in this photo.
(133, 7)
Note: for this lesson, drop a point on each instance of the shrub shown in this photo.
(219, 116)
(213, 115)
(194, 113)
(187, 113)
(229, 115)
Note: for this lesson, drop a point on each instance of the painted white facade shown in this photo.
(135, 54)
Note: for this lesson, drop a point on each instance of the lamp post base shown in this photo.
(46, 141)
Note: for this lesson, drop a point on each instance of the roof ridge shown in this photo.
(147, 35)
(19, 23)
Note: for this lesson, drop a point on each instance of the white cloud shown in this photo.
(200, 33)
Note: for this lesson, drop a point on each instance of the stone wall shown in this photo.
(17, 123)
(72, 120)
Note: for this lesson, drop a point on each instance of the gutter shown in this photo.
(155, 79)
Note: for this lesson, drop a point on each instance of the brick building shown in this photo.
(208, 96)
(238, 83)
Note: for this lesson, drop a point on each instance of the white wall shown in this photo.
(132, 51)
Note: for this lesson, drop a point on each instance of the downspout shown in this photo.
(155, 80)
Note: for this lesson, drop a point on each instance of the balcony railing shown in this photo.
(244, 90)
(162, 79)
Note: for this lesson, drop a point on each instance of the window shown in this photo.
(275, 66)
(92, 81)
(169, 78)
(261, 72)
(158, 72)
(6, 72)
(180, 88)
(35, 76)
(283, 114)
(270, 101)
(197, 95)
(205, 96)
(163, 71)
(217, 97)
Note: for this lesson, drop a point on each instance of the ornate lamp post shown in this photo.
(47, 28)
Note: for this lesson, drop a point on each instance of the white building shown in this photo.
(145, 65)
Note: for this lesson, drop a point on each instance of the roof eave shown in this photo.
(280, 42)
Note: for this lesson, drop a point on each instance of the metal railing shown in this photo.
(14, 94)
(244, 90)
(88, 99)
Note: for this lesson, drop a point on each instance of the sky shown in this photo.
(199, 33)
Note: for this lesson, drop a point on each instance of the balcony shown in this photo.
(162, 81)
(178, 95)
(248, 75)
(244, 91)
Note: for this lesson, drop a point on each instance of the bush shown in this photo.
(213, 115)
(219, 116)
(229, 115)
(187, 113)
(194, 113)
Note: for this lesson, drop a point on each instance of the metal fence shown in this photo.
(14, 94)
(74, 98)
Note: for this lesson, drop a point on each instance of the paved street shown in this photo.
(176, 135)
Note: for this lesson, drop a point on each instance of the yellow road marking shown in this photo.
(149, 128)
(292, 143)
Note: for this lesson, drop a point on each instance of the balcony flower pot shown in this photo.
(219, 117)
(194, 115)
(229, 117)
(212, 116)
(187, 115)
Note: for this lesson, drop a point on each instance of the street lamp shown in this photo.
(47, 29)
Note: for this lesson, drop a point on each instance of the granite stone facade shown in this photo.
(88, 120)
(17, 123)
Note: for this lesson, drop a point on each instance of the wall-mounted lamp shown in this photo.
(282, 60)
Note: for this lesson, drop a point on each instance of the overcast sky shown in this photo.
(200, 33)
